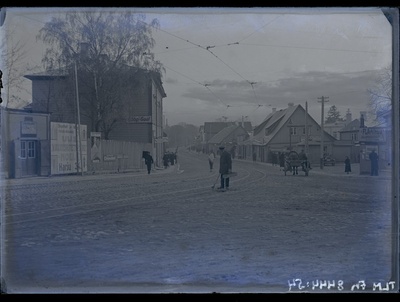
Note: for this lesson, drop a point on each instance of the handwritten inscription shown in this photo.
(339, 285)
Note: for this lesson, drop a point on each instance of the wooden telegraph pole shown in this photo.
(306, 129)
(323, 100)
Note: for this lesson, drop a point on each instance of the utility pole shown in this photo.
(78, 129)
(323, 100)
(306, 129)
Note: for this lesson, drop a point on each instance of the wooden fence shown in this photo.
(115, 156)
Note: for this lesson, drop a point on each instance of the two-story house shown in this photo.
(284, 130)
(138, 119)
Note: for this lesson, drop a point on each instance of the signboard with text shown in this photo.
(372, 134)
(140, 119)
(64, 149)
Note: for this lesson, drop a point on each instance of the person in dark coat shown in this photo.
(347, 165)
(225, 166)
(165, 160)
(373, 157)
(148, 160)
(282, 160)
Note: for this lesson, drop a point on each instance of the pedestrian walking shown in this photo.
(347, 165)
(211, 158)
(225, 167)
(148, 160)
(373, 157)
(254, 156)
(165, 160)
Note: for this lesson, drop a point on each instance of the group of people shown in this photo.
(169, 158)
(373, 158)
(225, 165)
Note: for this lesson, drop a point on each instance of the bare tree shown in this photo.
(381, 94)
(12, 54)
(108, 48)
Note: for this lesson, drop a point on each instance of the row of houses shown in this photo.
(292, 128)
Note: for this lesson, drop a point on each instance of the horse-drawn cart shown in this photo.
(293, 162)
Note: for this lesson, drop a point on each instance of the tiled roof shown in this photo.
(224, 133)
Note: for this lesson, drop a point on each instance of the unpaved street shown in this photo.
(170, 232)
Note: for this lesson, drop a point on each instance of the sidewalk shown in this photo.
(338, 170)
(87, 175)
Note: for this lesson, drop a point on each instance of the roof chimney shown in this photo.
(348, 116)
(273, 110)
(362, 123)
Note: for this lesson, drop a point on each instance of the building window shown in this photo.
(23, 150)
(293, 130)
(31, 149)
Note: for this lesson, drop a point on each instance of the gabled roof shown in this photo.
(275, 121)
(353, 125)
(215, 127)
(276, 118)
(224, 133)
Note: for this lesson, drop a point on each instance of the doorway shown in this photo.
(28, 157)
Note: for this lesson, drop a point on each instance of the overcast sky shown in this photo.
(237, 62)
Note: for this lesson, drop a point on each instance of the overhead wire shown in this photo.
(207, 48)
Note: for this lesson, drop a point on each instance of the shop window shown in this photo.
(31, 149)
(23, 150)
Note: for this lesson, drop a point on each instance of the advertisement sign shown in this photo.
(372, 134)
(64, 148)
(28, 128)
(140, 119)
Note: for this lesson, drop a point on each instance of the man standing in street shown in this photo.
(225, 167)
(373, 157)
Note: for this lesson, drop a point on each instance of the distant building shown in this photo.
(284, 130)
(231, 137)
(347, 145)
(335, 128)
(210, 129)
